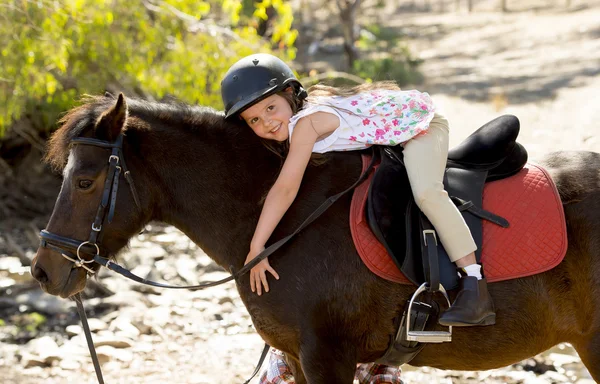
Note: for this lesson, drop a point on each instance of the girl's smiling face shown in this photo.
(269, 117)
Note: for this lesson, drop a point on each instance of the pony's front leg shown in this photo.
(327, 362)
(296, 369)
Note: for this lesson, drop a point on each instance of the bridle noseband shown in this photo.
(105, 213)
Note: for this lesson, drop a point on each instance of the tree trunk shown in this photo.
(348, 10)
(265, 27)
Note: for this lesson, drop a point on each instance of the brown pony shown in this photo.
(327, 312)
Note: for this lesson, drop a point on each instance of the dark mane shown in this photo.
(82, 118)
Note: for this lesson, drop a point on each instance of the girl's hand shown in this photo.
(258, 275)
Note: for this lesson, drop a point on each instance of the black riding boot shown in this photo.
(473, 305)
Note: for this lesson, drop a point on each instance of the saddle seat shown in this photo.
(491, 148)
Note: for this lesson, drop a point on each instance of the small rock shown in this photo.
(116, 342)
(225, 299)
(143, 347)
(126, 298)
(171, 238)
(143, 271)
(70, 365)
(44, 303)
(8, 263)
(554, 377)
(41, 351)
(110, 353)
(157, 316)
(74, 330)
(97, 325)
(562, 359)
(28, 361)
(123, 324)
(186, 269)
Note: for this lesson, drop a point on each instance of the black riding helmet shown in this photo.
(253, 78)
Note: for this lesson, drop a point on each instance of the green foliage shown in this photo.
(53, 51)
(30, 322)
(401, 70)
(33, 321)
(389, 58)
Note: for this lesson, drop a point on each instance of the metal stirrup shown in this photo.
(427, 336)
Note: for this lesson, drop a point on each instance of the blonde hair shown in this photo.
(326, 90)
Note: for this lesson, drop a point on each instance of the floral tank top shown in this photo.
(382, 117)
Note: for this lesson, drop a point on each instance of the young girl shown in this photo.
(262, 91)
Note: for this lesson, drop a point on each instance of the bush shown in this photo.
(54, 51)
(386, 57)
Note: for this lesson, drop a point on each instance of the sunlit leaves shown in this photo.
(52, 51)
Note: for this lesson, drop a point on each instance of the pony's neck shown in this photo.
(208, 182)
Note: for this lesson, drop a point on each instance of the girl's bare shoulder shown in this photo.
(322, 122)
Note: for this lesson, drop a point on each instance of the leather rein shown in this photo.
(74, 250)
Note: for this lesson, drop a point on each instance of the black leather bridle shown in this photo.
(105, 213)
(72, 249)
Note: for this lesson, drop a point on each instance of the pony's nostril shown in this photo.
(39, 274)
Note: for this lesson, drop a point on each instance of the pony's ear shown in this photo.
(111, 123)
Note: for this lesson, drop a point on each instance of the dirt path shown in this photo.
(542, 66)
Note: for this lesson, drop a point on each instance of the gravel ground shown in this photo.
(542, 66)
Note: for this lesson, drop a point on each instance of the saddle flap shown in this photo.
(388, 208)
(395, 220)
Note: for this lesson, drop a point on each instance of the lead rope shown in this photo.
(88, 337)
(90, 343)
(263, 355)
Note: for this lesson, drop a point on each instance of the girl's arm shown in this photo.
(283, 193)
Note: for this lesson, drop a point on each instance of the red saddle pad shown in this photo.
(535, 242)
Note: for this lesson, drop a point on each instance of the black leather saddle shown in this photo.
(490, 153)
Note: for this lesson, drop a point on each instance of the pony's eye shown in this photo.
(85, 184)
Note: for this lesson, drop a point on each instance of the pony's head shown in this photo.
(97, 209)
